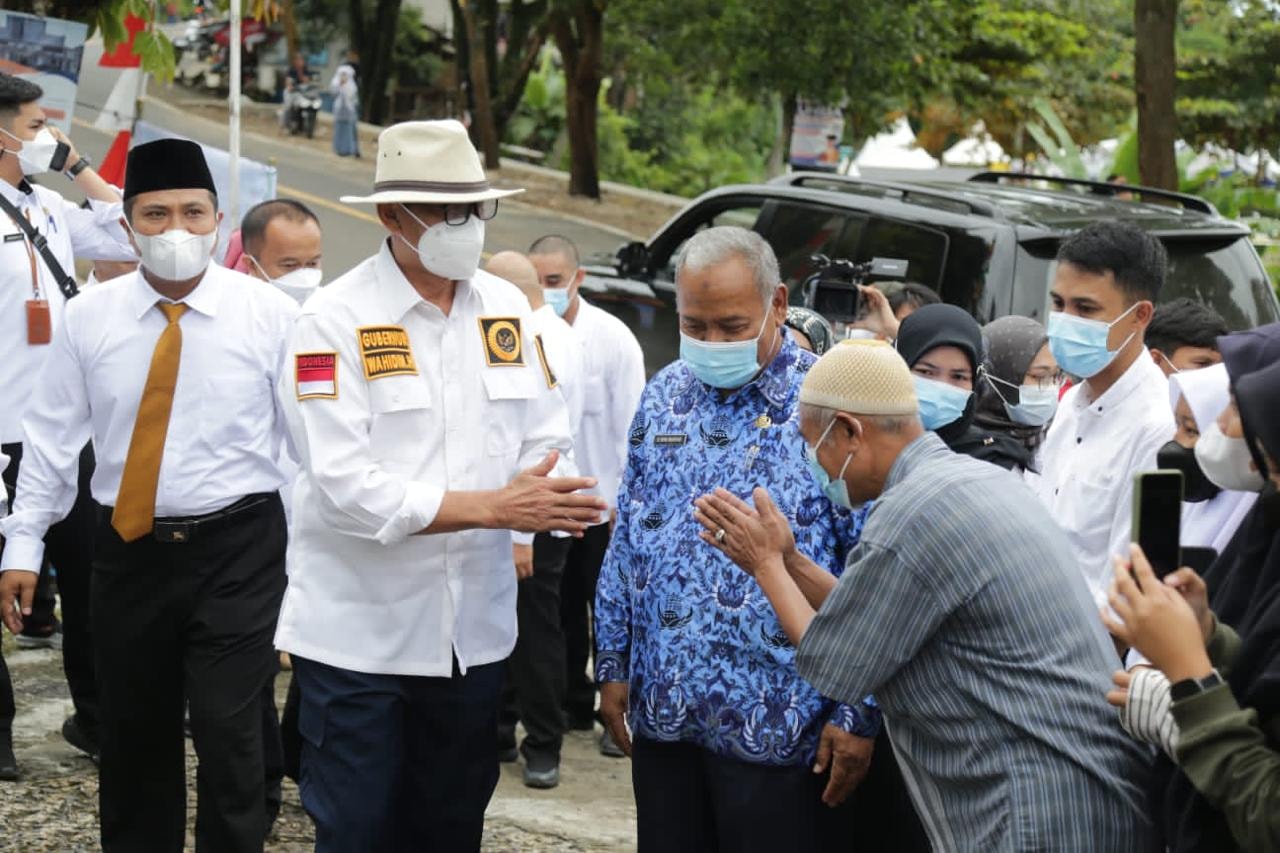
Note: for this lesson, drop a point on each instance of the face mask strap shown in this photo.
(259, 266)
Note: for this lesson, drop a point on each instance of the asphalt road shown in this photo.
(352, 233)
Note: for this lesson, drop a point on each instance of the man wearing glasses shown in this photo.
(418, 406)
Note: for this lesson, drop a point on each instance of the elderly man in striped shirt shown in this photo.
(963, 610)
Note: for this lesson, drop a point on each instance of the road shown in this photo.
(318, 179)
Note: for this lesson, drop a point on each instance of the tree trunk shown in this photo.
(290, 24)
(580, 37)
(1154, 58)
(377, 67)
(483, 132)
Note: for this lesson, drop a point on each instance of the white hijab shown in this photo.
(1211, 523)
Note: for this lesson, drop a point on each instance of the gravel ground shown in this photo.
(55, 805)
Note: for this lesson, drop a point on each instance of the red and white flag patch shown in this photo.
(317, 375)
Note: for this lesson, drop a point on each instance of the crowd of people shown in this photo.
(876, 591)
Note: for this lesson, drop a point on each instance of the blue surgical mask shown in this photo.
(1036, 406)
(1080, 345)
(724, 364)
(837, 491)
(557, 298)
(940, 403)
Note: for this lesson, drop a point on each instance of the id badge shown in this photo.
(39, 323)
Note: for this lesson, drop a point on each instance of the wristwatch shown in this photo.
(81, 164)
(1189, 687)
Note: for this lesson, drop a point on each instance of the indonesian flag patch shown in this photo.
(317, 375)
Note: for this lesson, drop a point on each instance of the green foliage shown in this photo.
(413, 61)
(1060, 147)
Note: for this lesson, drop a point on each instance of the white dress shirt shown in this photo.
(72, 232)
(1088, 460)
(614, 379)
(378, 454)
(224, 429)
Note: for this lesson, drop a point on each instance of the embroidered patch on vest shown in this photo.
(385, 351)
(316, 375)
(503, 343)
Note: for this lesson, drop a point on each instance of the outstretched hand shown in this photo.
(751, 537)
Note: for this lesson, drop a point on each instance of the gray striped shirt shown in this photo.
(963, 610)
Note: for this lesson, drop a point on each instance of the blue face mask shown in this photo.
(1080, 346)
(837, 491)
(1036, 406)
(726, 364)
(557, 298)
(940, 403)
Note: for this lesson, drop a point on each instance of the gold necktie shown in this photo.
(135, 509)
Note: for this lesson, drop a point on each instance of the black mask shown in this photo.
(1196, 487)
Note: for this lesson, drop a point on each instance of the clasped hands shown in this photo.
(756, 538)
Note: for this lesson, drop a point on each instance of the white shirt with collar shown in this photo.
(72, 232)
(614, 378)
(391, 403)
(225, 427)
(1088, 460)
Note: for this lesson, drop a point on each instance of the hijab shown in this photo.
(1209, 523)
(1244, 587)
(939, 325)
(1012, 344)
(813, 326)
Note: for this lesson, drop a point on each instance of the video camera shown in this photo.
(832, 289)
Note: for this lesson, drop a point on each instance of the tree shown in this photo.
(577, 26)
(374, 38)
(1154, 74)
(482, 123)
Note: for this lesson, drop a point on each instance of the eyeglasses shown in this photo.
(1044, 383)
(458, 214)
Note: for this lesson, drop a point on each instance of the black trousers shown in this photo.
(69, 549)
(689, 800)
(577, 604)
(194, 619)
(397, 763)
(535, 671)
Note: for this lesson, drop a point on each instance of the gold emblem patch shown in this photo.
(503, 343)
(385, 351)
(546, 366)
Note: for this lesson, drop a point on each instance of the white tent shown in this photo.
(978, 150)
(894, 149)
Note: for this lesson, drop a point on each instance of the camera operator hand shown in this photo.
(879, 317)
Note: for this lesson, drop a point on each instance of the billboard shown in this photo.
(46, 51)
(815, 137)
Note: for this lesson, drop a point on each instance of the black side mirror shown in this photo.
(632, 259)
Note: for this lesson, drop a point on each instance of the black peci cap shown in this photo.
(167, 164)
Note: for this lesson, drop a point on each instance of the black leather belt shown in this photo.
(184, 529)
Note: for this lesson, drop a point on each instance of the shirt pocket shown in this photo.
(400, 408)
(1092, 508)
(594, 393)
(509, 393)
(235, 410)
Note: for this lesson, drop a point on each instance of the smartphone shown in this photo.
(1199, 559)
(1157, 518)
(60, 154)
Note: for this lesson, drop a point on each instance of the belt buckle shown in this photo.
(173, 532)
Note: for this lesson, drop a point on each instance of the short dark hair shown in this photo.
(912, 294)
(16, 91)
(1184, 323)
(128, 204)
(554, 244)
(253, 228)
(1136, 259)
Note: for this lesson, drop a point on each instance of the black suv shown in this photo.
(986, 244)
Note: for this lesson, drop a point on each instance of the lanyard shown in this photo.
(31, 256)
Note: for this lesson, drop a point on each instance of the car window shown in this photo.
(924, 249)
(744, 215)
(799, 231)
(1224, 274)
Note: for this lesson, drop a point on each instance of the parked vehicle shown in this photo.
(987, 244)
(301, 105)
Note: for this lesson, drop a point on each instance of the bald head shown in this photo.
(521, 272)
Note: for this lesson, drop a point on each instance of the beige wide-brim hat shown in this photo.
(428, 162)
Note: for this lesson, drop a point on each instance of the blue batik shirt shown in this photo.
(694, 635)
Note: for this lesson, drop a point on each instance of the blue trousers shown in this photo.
(397, 762)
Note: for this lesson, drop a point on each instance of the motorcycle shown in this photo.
(302, 104)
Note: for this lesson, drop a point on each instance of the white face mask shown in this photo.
(298, 284)
(449, 251)
(36, 154)
(1036, 406)
(1227, 462)
(176, 255)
